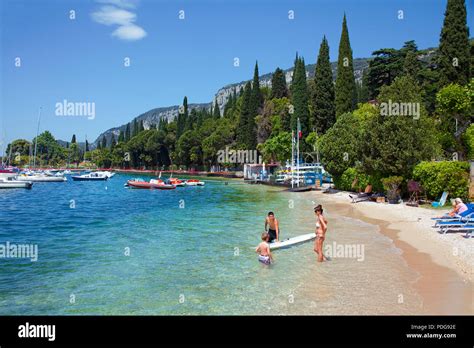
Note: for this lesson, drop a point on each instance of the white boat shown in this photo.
(7, 183)
(194, 182)
(96, 176)
(292, 241)
(40, 178)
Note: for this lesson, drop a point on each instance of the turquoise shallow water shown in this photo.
(196, 259)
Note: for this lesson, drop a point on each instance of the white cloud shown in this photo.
(109, 15)
(112, 15)
(129, 32)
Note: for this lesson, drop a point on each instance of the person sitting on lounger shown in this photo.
(458, 207)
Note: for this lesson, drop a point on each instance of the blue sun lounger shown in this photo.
(467, 227)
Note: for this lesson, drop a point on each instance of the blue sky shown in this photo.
(82, 60)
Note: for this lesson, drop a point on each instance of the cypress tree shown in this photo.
(135, 128)
(229, 105)
(186, 112)
(345, 83)
(242, 127)
(182, 118)
(127, 133)
(121, 137)
(279, 89)
(300, 98)
(87, 146)
(216, 112)
(323, 97)
(257, 97)
(191, 120)
(454, 45)
(73, 140)
(472, 58)
(104, 142)
(112, 142)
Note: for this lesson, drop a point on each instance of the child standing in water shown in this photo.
(321, 228)
(263, 250)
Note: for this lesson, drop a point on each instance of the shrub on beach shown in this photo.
(436, 177)
(347, 181)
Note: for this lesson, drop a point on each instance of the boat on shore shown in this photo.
(96, 176)
(157, 184)
(194, 182)
(9, 183)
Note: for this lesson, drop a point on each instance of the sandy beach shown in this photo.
(443, 262)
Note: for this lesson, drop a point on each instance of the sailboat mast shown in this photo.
(298, 156)
(36, 139)
(292, 155)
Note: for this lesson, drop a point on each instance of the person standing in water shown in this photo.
(321, 228)
(273, 227)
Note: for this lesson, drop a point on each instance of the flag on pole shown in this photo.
(299, 129)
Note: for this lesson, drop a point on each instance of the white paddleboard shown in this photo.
(292, 241)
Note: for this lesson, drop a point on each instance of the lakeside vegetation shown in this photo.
(342, 118)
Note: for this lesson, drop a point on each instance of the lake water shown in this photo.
(191, 251)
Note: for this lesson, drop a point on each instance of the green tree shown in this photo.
(300, 97)
(455, 106)
(322, 98)
(454, 60)
(279, 88)
(394, 144)
(341, 145)
(112, 142)
(243, 136)
(73, 140)
(127, 135)
(345, 91)
(216, 112)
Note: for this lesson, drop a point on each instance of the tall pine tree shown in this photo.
(345, 83)
(323, 96)
(454, 60)
(127, 135)
(279, 88)
(243, 139)
(257, 97)
(182, 117)
(300, 98)
(216, 112)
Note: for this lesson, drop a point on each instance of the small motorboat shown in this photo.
(40, 178)
(153, 184)
(7, 183)
(176, 182)
(194, 182)
(90, 177)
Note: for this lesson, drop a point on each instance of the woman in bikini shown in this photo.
(321, 228)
